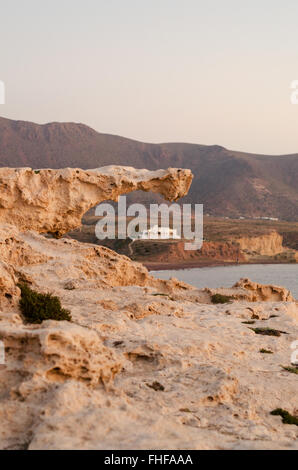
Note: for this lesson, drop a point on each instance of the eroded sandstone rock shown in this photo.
(55, 200)
(87, 384)
(9, 291)
(250, 291)
(263, 292)
(129, 331)
(59, 351)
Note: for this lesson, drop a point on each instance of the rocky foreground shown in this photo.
(144, 363)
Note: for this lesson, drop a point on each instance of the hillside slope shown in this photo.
(227, 182)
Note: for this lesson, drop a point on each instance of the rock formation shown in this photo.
(55, 200)
(269, 244)
(250, 291)
(144, 363)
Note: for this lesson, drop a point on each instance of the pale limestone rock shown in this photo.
(54, 200)
(57, 389)
(58, 351)
(267, 245)
(264, 292)
(87, 384)
(250, 291)
(9, 291)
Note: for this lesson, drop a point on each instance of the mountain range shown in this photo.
(228, 183)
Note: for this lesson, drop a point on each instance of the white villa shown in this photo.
(156, 232)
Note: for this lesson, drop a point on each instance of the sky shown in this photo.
(207, 72)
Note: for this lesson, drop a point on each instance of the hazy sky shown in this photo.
(209, 72)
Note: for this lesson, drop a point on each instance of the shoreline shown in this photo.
(155, 266)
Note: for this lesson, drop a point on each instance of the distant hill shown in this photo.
(227, 182)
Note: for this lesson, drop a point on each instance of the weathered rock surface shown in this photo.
(144, 363)
(269, 244)
(87, 384)
(55, 200)
(264, 292)
(250, 291)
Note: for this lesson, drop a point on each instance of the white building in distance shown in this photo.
(159, 233)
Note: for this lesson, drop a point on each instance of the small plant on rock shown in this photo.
(220, 299)
(287, 418)
(293, 370)
(37, 307)
(268, 331)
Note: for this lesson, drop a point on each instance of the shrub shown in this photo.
(220, 299)
(268, 331)
(287, 418)
(37, 307)
(293, 370)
